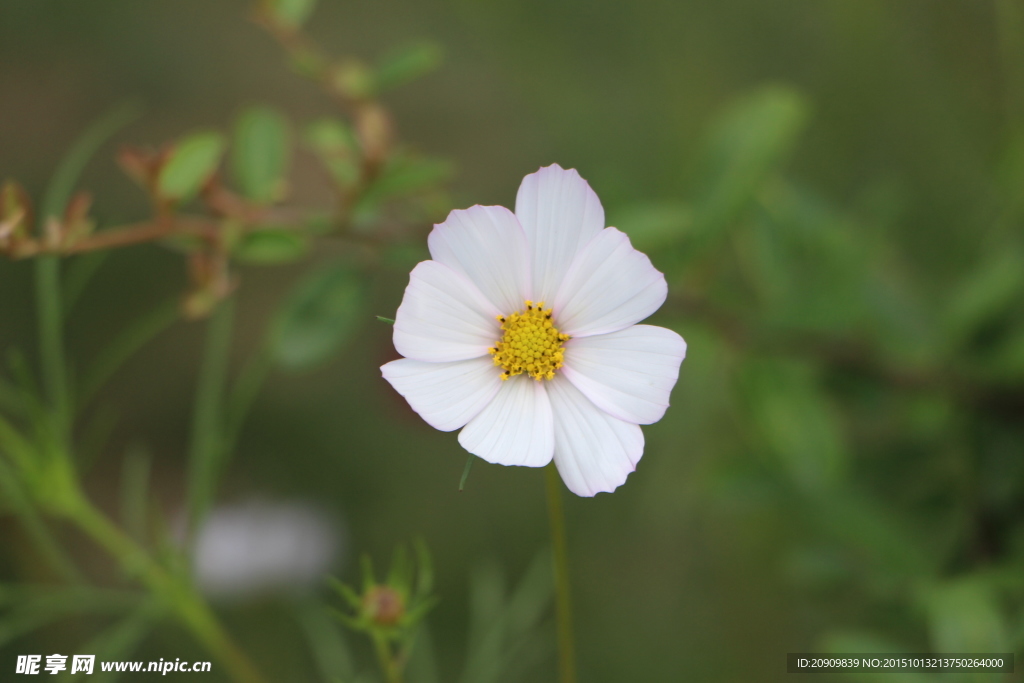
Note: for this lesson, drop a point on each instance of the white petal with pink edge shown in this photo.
(609, 287)
(488, 246)
(594, 451)
(445, 395)
(444, 317)
(628, 374)
(515, 428)
(560, 215)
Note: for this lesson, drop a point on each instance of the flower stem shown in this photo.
(51, 343)
(208, 437)
(388, 666)
(190, 609)
(563, 604)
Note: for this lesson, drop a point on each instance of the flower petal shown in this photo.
(628, 374)
(446, 395)
(609, 287)
(444, 317)
(594, 451)
(488, 246)
(515, 428)
(560, 214)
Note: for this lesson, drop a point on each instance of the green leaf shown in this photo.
(330, 650)
(322, 313)
(405, 174)
(335, 145)
(291, 13)
(743, 149)
(987, 292)
(655, 225)
(407, 64)
(122, 638)
(963, 616)
(271, 246)
(793, 422)
(260, 151)
(192, 162)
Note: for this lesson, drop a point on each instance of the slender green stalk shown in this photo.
(563, 602)
(244, 392)
(208, 419)
(388, 666)
(47, 268)
(51, 343)
(125, 345)
(36, 528)
(179, 595)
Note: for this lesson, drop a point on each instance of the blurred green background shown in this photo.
(834, 190)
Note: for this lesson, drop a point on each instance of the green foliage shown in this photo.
(259, 154)
(291, 13)
(507, 631)
(335, 144)
(793, 422)
(322, 313)
(964, 616)
(268, 246)
(407, 64)
(192, 162)
(656, 226)
(747, 144)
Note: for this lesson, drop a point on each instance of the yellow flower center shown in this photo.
(531, 343)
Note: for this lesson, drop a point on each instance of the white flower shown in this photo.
(522, 330)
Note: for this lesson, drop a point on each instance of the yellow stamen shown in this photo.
(531, 343)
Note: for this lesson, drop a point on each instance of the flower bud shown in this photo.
(383, 605)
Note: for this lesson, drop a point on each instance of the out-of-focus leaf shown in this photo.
(192, 162)
(330, 648)
(271, 246)
(322, 313)
(505, 637)
(403, 175)
(422, 662)
(291, 13)
(335, 144)
(987, 292)
(1006, 362)
(407, 64)
(963, 616)
(260, 151)
(746, 145)
(121, 639)
(655, 225)
(135, 494)
(793, 421)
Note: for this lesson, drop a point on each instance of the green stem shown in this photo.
(388, 665)
(208, 423)
(244, 392)
(563, 603)
(47, 268)
(190, 609)
(51, 342)
(127, 343)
